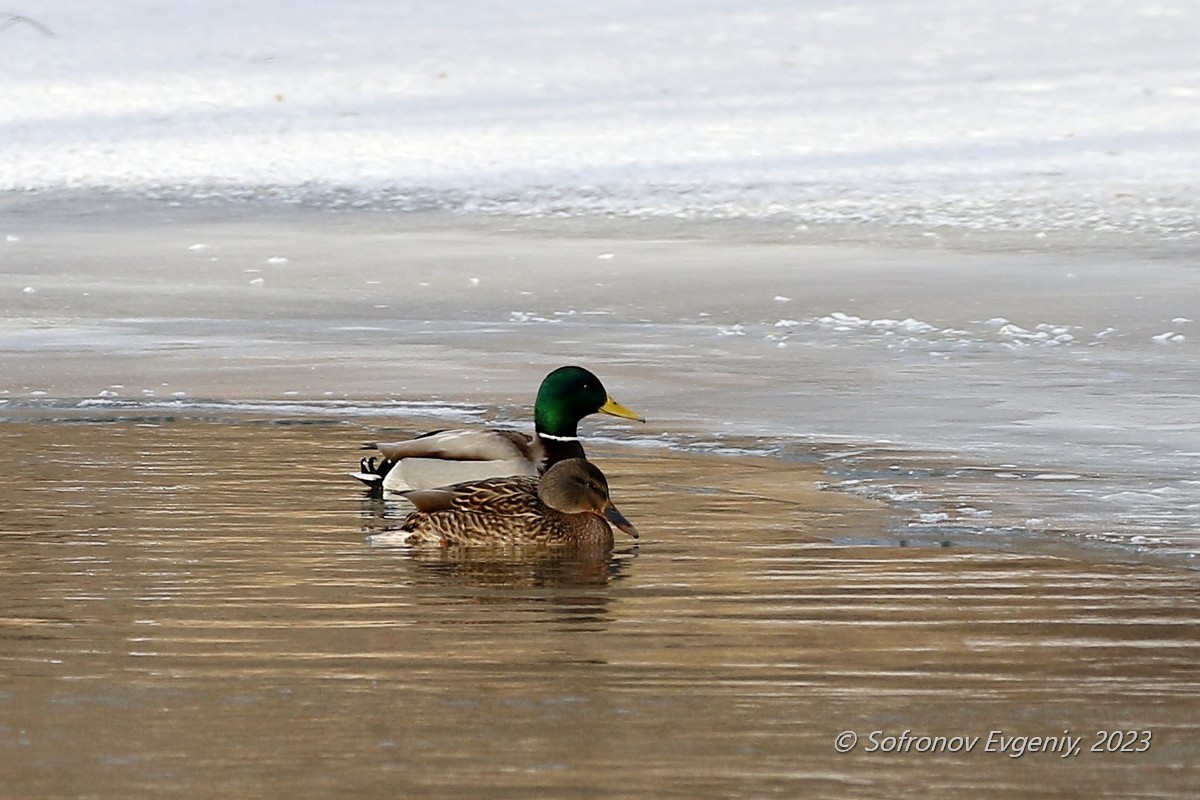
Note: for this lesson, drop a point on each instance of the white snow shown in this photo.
(1169, 337)
(1033, 115)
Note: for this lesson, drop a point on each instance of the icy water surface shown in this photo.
(1015, 386)
(189, 608)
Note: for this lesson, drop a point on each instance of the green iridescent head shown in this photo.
(567, 395)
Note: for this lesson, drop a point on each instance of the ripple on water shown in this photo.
(193, 607)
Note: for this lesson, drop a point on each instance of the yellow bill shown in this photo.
(617, 410)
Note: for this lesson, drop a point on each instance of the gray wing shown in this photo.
(484, 444)
(447, 457)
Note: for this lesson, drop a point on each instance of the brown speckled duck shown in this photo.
(567, 506)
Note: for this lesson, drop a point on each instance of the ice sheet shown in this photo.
(1028, 116)
(990, 391)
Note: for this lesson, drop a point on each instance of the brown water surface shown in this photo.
(189, 607)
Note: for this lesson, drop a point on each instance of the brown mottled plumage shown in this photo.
(569, 505)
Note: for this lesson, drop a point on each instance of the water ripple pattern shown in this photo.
(189, 605)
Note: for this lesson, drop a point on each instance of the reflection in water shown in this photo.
(516, 569)
(176, 619)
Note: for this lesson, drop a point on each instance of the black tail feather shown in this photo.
(376, 466)
(372, 471)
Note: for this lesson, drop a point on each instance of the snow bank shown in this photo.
(1027, 115)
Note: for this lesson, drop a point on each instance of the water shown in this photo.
(190, 607)
(881, 490)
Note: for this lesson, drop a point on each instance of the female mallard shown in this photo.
(567, 395)
(567, 506)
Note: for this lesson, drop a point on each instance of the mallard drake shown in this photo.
(568, 506)
(441, 458)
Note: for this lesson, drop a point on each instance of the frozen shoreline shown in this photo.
(221, 204)
(1049, 391)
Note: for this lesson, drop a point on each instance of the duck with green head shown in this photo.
(445, 457)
